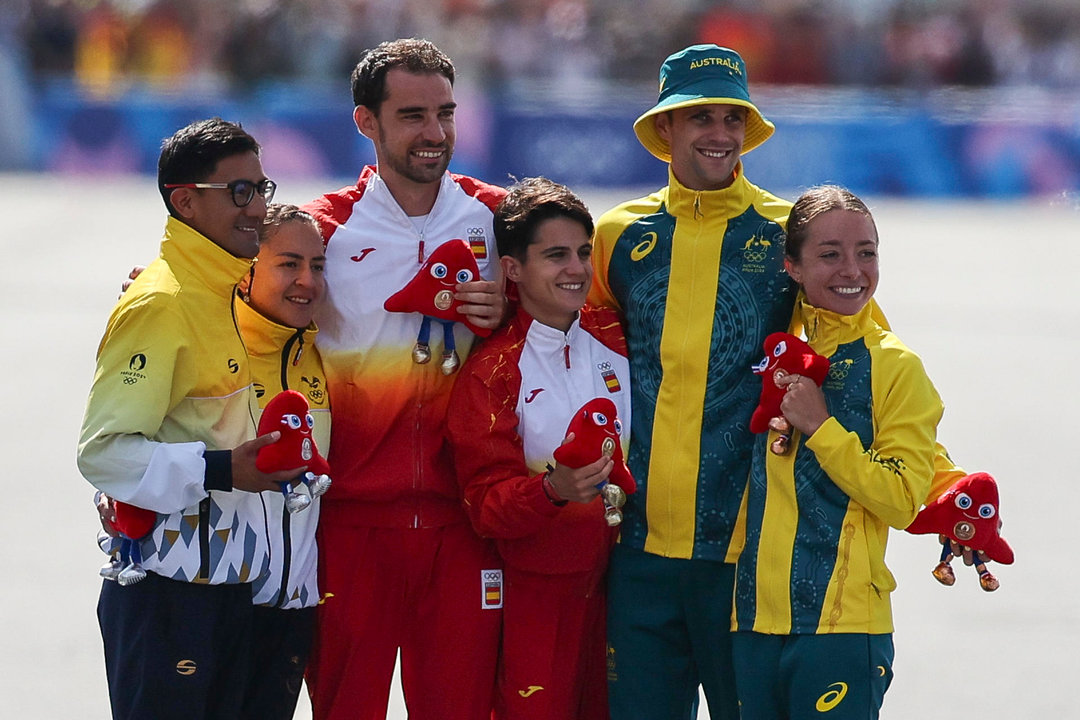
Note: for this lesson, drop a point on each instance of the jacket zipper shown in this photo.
(418, 430)
(286, 564)
(286, 522)
(204, 538)
(298, 340)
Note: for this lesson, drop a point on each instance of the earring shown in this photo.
(245, 292)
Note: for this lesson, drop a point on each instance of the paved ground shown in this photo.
(984, 292)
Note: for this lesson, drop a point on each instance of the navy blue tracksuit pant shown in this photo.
(176, 649)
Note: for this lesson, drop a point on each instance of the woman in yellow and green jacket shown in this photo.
(812, 614)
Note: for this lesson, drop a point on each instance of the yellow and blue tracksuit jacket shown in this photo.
(699, 280)
(172, 394)
(285, 358)
(817, 519)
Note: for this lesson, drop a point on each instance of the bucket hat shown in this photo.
(702, 75)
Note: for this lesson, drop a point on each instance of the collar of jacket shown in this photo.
(726, 202)
(263, 336)
(379, 189)
(192, 253)
(826, 330)
(545, 336)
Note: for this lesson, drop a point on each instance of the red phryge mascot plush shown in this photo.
(785, 355)
(288, 412)
(596, 428)
(967, 514)
(133, 524)
(431, 293)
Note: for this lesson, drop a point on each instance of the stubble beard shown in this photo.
(417, 173)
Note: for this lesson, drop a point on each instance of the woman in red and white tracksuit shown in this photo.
(508, 413)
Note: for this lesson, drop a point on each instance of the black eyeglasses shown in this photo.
(243, 191)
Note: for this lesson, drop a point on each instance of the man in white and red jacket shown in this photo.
(510, 410)
(400, 566)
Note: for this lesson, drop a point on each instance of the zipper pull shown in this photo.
(566, 355)
(420, 251)
(299, 349)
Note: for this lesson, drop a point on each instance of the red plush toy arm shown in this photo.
(582, 450)
(620, 475)
(768, 404)
(999, 551)
(817, 369)
(318, 464)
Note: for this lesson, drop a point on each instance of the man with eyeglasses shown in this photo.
(243, 191)
(169, 428)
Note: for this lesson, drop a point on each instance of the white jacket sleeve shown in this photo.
(163, 477)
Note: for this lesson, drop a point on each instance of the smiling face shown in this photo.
(289, 281)
(837, 265)
(414, 129)
(213, 213)
(706, 143)
(554, 279)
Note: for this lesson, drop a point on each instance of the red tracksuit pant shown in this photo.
(418, 589)
(553, 664)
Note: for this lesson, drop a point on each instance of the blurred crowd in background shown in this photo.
(895, 97)
(176, 44)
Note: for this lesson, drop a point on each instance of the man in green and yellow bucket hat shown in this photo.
(700, 76)
(696, 269)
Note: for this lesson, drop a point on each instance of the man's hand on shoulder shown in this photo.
(135, 272)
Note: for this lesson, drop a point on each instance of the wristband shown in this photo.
(549, 490)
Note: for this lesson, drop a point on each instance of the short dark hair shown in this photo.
(528, 203)
(413, 54)
(192, 153)
(815, 201)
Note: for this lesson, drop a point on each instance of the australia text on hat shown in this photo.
(724, 61)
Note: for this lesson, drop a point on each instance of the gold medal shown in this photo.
(444, 299)
(608, 447)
